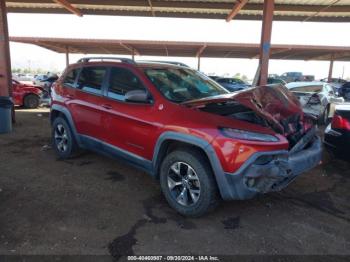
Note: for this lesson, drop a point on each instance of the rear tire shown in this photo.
(63, 140)
(31, 101)
(188, 183)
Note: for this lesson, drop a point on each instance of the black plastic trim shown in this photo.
(69, 118)
(104, 148)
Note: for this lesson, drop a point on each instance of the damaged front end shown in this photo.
(274, 170)
(276, 108)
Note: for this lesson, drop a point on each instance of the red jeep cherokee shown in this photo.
(202, 142)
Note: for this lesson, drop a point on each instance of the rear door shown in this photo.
(130, 126)
(86, 101)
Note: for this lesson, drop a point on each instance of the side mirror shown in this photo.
(137, 96)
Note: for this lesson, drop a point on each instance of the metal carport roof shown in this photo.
(186, 49)
(291, 10)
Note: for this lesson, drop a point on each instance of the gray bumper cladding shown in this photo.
(271, 171)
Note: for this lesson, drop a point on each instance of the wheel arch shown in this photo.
(60, 111)
(171, 140)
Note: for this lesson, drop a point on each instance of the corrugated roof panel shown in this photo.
(300, 10)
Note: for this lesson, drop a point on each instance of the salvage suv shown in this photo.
(202, 142)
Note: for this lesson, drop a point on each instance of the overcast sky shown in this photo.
(71, 26)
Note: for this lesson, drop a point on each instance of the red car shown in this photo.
(26, 95)
(202, 142)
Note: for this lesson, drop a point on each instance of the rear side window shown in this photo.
(70, 77)
(91, 79)
(122, 81)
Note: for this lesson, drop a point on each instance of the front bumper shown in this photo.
(271, 171)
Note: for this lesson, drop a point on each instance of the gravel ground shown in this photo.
(96, 205)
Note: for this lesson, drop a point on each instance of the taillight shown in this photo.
(338, 122)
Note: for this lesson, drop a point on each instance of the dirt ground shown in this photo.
(96, 205)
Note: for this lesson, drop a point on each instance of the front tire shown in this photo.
(63, 140)
(187, 182)
(31, 101)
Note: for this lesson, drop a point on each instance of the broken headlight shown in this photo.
(247, 135)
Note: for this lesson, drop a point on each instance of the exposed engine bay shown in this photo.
(235, 110)
(293, 126)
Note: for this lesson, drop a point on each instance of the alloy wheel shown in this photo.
(183, 184)
(61, 138)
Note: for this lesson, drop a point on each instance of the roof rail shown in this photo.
(164, 62)
(121, 59)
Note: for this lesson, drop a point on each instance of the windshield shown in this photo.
(181, 84)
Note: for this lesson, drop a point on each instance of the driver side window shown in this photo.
(122, 81)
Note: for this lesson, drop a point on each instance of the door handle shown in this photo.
(107, 106)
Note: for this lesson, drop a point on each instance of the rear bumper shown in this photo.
(270, 171)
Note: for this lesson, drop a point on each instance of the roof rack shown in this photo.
(164, 62)
(121, 59)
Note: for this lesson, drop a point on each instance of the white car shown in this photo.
(316, 98)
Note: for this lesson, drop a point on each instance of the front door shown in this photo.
(130, 126)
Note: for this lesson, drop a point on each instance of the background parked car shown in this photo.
(336, 83)
(275, 80)
(26, 95)
(344, 91)
(308, 78)
(292, 76)
(337, 134)
(38, 79)
(232, 84)
(45, 81)
(315, 98)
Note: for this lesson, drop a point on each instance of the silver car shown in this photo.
(316, 98)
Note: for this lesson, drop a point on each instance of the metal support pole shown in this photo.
(7, 114)
(199, 63)
(265, 44)
(5, 62)
(67, 56)
(330, 72)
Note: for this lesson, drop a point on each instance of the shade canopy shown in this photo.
(186, 49)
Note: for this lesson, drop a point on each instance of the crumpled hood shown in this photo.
(273, 103)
